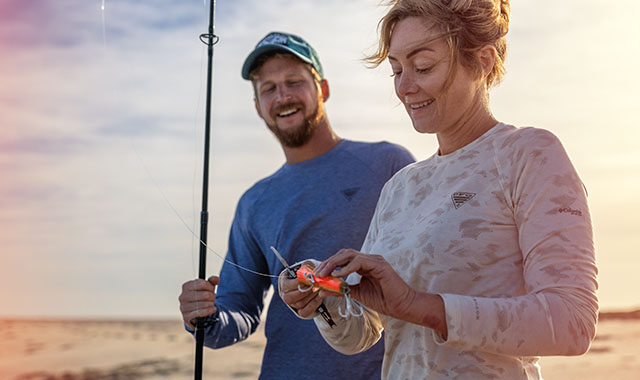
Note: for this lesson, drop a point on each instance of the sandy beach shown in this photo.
(153, 350)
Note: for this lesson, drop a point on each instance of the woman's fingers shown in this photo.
(308, 306)
(296, 298)
(305, 303)
(341, 258)
(360, 263)
(349, 261)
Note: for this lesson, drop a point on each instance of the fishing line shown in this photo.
(104, 29)
(175, 211)
(159, 188)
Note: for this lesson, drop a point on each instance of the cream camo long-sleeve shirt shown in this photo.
(501, 230)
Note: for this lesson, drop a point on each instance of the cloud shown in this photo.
(43, 145)
(98, 117)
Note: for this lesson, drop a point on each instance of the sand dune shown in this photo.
(154, 350)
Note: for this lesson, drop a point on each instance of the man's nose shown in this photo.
(283, 94)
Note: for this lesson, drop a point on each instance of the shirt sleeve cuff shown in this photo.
(453, 306)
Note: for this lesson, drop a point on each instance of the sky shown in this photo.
(102, 118)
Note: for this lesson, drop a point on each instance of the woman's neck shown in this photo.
(476, 123)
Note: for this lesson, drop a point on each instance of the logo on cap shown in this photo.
(283, 42)
(274, 38)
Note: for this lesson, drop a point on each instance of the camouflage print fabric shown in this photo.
(501, 230)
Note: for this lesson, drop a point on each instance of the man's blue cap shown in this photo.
(286, 43)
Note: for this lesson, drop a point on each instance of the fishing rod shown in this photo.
(208, 39)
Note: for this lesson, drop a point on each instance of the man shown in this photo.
(319, 201)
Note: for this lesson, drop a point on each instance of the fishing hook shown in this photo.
(350, 310)
(311, 280)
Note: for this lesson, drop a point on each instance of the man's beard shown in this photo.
(300, 135)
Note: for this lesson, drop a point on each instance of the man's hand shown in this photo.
(198, 299)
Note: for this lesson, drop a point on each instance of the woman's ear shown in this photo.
(487, 58)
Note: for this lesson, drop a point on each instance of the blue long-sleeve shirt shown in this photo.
(306, 210)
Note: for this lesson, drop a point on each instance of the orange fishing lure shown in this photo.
(333, 284)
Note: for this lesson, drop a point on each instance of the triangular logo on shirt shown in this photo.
(461, 198)
(349, 193)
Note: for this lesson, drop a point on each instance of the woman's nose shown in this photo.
(405, 84)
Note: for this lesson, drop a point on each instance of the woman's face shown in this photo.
(420, 60)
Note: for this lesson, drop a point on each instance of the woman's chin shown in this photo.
(424, 128)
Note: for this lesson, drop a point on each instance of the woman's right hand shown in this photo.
(304, 303)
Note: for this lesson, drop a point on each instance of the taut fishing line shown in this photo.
(175, 211)
(195, 237)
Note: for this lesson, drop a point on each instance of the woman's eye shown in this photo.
(424, 70)
(395, 73)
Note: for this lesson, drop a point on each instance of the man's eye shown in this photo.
(425, 70)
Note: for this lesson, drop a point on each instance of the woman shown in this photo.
(480, 258)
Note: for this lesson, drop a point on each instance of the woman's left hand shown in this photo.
(380, 289)
(383, 290)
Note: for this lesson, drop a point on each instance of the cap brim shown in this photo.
(249, 62)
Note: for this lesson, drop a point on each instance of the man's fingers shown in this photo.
(214, 280)
(188, 307)
(197, 284)
(197, 296)
(198, 299)
(191, 317)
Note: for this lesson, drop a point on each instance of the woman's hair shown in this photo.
(467, 26)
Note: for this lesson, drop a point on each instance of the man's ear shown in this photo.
(324, 87)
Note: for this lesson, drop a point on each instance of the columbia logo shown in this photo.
(571, 211)
(461, 198)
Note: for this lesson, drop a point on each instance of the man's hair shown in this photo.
(467, 26)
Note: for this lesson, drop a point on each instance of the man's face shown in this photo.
(288, 100)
